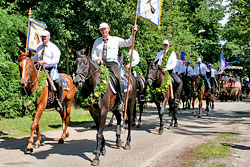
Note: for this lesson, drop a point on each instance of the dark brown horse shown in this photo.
(186, 92)
(156, 79)
(87, 78)
(198, 91)
(29, 81)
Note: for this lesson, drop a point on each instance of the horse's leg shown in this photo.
(100, 146)
(193, 100)
(118, 128)
(200, 106)
(35, 126)
(160, 112)
(141, 110)
(129, 112)
(175, 117)
(134, 116)
(111, 121)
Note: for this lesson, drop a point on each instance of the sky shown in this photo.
(225, 19)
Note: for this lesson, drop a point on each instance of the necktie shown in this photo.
(43, 51)
(200, 69)
(104, 51)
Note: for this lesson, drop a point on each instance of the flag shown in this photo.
(33, 36)
(150, 10)
(223, 63)
(183, 59)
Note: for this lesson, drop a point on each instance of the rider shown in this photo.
(48, 56)
(105, 51)
(170, 65)
(188, 70)
(135, 62)
(211, 74)
(200, 69)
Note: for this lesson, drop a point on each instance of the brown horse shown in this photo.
(87, 78)
(156, 79)
(29, 81)
(198, 91)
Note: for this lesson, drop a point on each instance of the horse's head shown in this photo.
(195, 82)
(26, 64)
(153, 69)
(82, 68)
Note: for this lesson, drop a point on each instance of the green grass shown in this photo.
(49, 120)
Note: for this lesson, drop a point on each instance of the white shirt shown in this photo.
(171, 59)
(136, 58)
(51, 55)
(247, 79)
(179, 66)
(203, 69)
(189, 70)
(113, 45)
(213, 72)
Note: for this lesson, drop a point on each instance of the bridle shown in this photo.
(158, 68)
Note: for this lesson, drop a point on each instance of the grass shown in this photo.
(211, 150)
(49, 120)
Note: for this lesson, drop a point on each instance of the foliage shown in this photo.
(101, 88)
(30, 101)
(10, 99)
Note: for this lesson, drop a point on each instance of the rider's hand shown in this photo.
(41, 62)
(135, 28)
(127, 66)
(165, 69)
(99, 61)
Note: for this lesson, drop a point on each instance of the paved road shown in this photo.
(148, 149)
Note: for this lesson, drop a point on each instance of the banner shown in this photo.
(223, 63)
(33, 37)
(183, 58)
(150, 10)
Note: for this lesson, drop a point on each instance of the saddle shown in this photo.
(114, 83)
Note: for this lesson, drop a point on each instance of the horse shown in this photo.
(213, 94)
(198, 90)
(87, 77)
(156, 79)
(186, 92)
(29, 81)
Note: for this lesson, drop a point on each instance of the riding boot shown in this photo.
(141, 90)
(121, 106)
(59, 93)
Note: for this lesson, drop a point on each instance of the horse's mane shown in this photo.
(82, 54)
(23, 55)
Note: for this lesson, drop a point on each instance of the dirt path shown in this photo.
(148, 149)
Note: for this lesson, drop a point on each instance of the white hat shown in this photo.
(198, 60)
(104, 25)
(165, 42)
(45, 33)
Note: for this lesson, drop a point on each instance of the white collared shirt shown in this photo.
(189, 70)
(51, 55)
(213, 72)
(179, 66)
(203, 69)
(113, 45)
(171, 59)
(136, 58)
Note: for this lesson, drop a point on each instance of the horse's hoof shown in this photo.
(199, 116)
(28, 150)
(176, 125)
(67, 134)
(36, 145)
(127, 147)
(133, 125)
(118, 144)
(123, 130)
(95, 162)
(138, 125)
(171, 124)
(160, 131)
(61, 141)
(110, 124)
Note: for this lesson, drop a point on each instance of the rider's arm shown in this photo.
(171, 61)
(96, 49)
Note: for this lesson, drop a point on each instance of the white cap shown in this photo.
(198, 60)
(104, 25)
(165, 42)
(45, 33)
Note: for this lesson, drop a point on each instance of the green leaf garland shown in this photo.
(30, 101)
(101, 88)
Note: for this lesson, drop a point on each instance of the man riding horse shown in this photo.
(201, 69)
(167, 59)
(211, 74)
(105, 51)
(48, 56)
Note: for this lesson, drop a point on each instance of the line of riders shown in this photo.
(105, 52)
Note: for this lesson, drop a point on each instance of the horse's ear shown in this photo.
(19, 52)
(83, 51)
(29, 53)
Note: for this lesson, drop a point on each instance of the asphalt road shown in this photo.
(148, 148)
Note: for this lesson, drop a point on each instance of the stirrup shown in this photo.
(142, 98)
(121, 106)
(59, 106)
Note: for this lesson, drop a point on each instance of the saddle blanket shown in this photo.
(64, 82)
(125, 82)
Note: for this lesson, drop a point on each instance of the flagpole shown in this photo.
(130, 64)
(29, 14)
(220, 69)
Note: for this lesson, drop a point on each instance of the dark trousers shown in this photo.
(113, 67)
(207, 83)
(177, 84)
